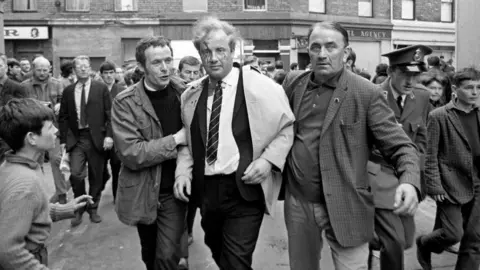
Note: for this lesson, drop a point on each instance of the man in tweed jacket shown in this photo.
(339, 116)
(452, 174)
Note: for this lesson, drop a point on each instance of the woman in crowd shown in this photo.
(439, 85)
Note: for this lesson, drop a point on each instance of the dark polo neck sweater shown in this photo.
(472, 130)
(167, 107)
(304, 161)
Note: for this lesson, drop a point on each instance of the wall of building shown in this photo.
(468, 36)
(425, 10)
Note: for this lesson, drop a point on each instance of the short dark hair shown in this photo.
(261, 62)
(279, 64)
(466, 74)
(66, 68)
(137, 75)
(11, 62)
(270, 68)
(293, 66)
(381, 69)
(332, 26)
(280, 77)
(145, 43)
(433, 61)
(106, 66)
(188, 60)
(21, 116)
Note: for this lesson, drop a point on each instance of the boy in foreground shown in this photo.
(452, 174)
(25, 213)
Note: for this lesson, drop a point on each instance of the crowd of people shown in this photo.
(351, 155)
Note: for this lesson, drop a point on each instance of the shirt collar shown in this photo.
(87, 82)
(395, 93)
(12, 158)
(232, 77)
(330, 83)
(455, 106)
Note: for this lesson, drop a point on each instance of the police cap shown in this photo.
(411, 57)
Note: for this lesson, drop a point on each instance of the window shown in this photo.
(255, 5)
(195, 5)
(77, 5)
(126, 5)
(25, 5)
(408, 9)
(128, 48)
(316, 6)
(365, 8)
(447, 11)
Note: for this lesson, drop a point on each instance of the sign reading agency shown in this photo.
(25, 32)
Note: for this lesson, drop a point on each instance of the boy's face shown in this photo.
(468, 92)
(46, 139)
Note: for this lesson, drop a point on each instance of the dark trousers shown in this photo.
(115, 165)
(395, 234)
(230, 223)
(458, 223)
(82, 153)
(41, 254)
(160, 241)
(191, 211)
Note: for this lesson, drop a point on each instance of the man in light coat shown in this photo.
(239, 131)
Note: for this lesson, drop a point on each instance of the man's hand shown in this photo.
(181, 137)
(81, 201)
(257, 171)
(438, 198)
(182, 188)
(406, 200)
(56, 108)
(107, 143)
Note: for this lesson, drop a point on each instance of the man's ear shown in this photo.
(454, 88)
(30, 139)
(141, 67)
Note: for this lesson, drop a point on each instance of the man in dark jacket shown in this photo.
(147, 132)
(8, 89)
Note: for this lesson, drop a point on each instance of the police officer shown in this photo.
(410, 103)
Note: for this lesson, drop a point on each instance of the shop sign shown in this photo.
(25, 32)
(369, 34)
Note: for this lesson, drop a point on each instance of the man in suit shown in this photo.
(410, 104)
(108, 72)
(233, 168)
(86, 133)
(452, 173)
(48, 90)
(339, 118)
(8, 89)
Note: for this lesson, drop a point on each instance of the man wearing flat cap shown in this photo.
(410, 104)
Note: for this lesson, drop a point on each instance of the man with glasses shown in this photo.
(48, 90)
(86, 133)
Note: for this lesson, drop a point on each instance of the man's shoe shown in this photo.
(424, 256)
(190, 239)
(94, 217)
(77, 220)
(183, 264)
(62, 198)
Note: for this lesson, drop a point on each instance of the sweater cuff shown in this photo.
(62, 211)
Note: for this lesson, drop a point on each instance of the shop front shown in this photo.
(27, 41)
(439, 36)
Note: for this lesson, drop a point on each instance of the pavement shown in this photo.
(113, 245)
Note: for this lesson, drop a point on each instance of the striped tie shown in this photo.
(212, 142)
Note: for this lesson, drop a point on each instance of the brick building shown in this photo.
(429, 22)
(272, 29)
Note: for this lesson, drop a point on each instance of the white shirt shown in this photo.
(78, 96)
(395, 95)
(228, 155)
